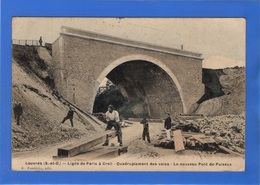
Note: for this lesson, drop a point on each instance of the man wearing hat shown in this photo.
(168, 125)
(112, 119)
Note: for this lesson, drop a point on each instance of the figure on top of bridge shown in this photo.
(112, 119)
(40, 41)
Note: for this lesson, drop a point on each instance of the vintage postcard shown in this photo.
(128, 94)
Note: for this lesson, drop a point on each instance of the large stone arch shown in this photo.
(139, 57)
(82, 59)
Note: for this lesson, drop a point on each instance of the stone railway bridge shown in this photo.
(164, 79)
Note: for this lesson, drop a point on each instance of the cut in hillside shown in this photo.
(232, 84)
(34, 59)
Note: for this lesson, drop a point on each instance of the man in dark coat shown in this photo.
(145, 130)
(18, 111)
(69, 116)
(168, 125)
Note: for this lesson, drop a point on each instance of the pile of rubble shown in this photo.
(214, 134)
(151, 154)
(137, 146)
(142, 149)
(26, 140)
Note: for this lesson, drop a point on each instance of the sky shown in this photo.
(221, 41)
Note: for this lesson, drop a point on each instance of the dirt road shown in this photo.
(130, 133)
(142, 157)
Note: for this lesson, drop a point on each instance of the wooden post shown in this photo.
(178, 140)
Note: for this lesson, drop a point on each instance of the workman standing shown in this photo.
(145, 130)
(18, 111)
(112, 119)
(168, 125)
(69, 116)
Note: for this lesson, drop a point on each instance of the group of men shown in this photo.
(18, 111)
(167, 126)
(112, 119)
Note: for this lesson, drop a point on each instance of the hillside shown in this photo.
(225, 94)
(42, 112)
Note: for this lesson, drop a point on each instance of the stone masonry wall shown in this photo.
(80, 61)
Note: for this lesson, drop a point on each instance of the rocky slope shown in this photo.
(42, 112)
(227, 94)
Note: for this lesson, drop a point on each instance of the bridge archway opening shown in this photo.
(147, 89)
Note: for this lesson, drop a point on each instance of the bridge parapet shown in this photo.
(130, 43)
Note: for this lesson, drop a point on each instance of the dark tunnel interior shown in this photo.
(150, 88)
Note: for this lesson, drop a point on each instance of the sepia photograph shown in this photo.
(128, 94)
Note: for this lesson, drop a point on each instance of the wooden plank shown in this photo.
(189, 134)
(220, 139)
(230, 151)
(99, 152)
(239, 150)
(204, 139)
(93, 118)
(190, 116)
(83, 146)
(111, 153)
(178, 140)
(199, 115)
(128, 122)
